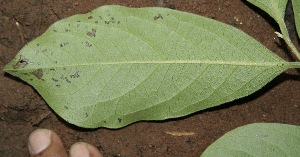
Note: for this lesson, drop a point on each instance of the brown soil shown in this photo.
(22, 110)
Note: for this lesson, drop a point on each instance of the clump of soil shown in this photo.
(22, 110)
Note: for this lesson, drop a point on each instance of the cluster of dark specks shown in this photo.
(92, 33)
(112, 20)
(88, 44)
(75, 75)
(67, 30)
(65, 78)
(100, 17)
(158, 16)
(108, 20)
(62, 77)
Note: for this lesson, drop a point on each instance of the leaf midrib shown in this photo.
(233, 63)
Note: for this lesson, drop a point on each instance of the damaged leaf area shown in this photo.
(116, 65)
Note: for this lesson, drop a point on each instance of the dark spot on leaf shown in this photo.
(55, 62)
(55, 30)
(104, 121)
(87, 44)
(90, 17)
(55, 80)
(37, 44)
(66, 107)
(118, 22)
(86, 115)
(58, 85)
(38, 73)
(112, 20)
(158, 16)
(78, 20)
(67, 30)
(22, 61)
(120, 120)
(92, 33)
(52, 69)
(100, 17)
(65, 78)
(76, 75)
(64, 44)
(96, 21)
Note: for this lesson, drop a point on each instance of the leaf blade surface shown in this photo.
(257, 139)
(275, 8)
(117, 65)
(296, 9)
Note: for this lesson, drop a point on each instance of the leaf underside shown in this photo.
(275, 8)
(257, 140)
(116, 65)
(296, 8)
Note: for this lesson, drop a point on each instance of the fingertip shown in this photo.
(45, 143)
(81, 149)
(39, 140)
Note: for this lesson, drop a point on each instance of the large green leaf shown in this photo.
(275, 8)
(257, 140)
(296, 8)
(117, 65)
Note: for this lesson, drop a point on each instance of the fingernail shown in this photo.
(79, 150)
(39, 140)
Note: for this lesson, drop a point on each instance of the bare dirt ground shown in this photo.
(22, 110)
